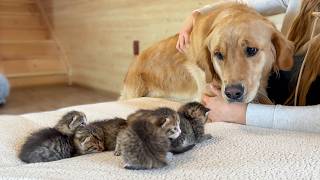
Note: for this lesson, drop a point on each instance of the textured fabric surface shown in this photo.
(236, 152)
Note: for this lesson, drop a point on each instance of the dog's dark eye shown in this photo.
(251, 51)
(218, 55)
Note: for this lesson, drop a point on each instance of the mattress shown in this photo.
(235, 152)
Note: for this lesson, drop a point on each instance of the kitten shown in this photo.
(98, 136)
(110, 129)
(51, 144)
(145, 142)
(88, 139)
(193, 116)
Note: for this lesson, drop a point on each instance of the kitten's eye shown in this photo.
(251, 51)
(219, 55)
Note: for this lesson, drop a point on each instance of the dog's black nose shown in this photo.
(234, 92)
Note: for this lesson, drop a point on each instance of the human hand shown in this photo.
(184, 34)
(222, 111)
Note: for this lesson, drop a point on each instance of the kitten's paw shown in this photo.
(117, 153)
(132, 167)
(169, 156)
(161, 165)
(207, 136)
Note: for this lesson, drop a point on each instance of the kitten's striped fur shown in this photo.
(98, 136)
(145, 143)
(193, 117)
(53, 144)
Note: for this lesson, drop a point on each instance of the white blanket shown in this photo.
(236, 152)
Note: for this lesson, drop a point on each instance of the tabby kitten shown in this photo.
(51, 144)
(88, 139)
(110, 128)
(98, 136)
(145, 142)
(193, 116)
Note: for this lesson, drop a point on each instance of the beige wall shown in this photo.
(97, 35)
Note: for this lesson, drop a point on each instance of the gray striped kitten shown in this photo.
(88, 139)
(193, 117)
(98, 136)
(51, 144)
(145, 142)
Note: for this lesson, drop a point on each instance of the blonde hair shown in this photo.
(300, 33)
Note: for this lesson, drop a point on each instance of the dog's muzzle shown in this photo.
(234, 92)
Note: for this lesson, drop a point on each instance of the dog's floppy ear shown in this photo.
(284, 51)
(205, 63)
(203, 28)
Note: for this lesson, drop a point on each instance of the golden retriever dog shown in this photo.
(233, 45)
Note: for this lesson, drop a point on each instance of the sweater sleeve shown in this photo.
(265, 7)
(297, 118)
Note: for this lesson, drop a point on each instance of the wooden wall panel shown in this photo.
(29, 55)
(97, 35)
(27, 81)
(28, 50)
(24, 34)
(18, 8)
(40, 66)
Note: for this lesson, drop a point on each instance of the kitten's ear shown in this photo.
(83, 118)
(86, 140)
(284, 51)
(166, 121)
(74, 119)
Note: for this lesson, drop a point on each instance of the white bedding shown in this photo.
(236, 152)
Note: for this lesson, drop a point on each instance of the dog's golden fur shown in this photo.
(161, 71)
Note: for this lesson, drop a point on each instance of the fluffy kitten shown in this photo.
(88, 139)
(145, 142)
(193, 116)
(98, 136)
(53, 144)
(110, 129)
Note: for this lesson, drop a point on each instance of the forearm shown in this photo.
(296, 118)
(265, 7)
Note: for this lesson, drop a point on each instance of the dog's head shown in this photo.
(243, 48)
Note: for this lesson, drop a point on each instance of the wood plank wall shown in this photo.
(97, 35)
(28, 53)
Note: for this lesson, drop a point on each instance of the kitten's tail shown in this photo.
(144, 146)
(182, 150)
